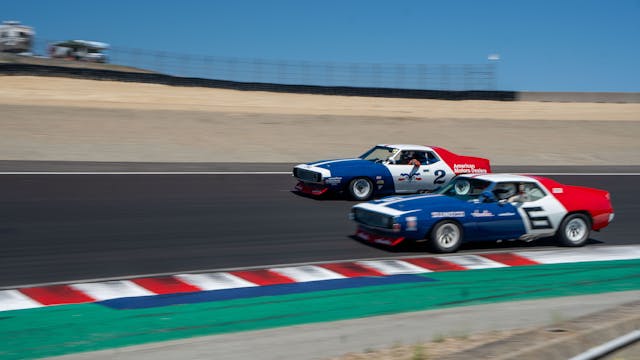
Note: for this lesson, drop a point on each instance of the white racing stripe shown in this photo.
(112, 290)
(473, 261)
(15, 300)
(307, 273)
(215, 281)
(583, 254)
(393, 267)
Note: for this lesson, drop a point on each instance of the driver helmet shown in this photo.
(505, 191)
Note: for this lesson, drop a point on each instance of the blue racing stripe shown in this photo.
(141, 302)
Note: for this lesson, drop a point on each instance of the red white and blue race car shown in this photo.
(385, 170)
(487, 207)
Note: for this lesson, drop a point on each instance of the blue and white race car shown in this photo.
(387, 169)
(486, 208)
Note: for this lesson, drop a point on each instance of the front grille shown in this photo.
(307, 175)
(371, 218)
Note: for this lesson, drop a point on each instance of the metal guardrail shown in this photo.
(609, 347)
(452, 77)
(102, 73)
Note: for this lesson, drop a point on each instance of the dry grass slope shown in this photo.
(72, 119)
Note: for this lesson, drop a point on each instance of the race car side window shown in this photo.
(431, 157)
(518, 191)
(408, 155)
(533, 191)
(464, 188)
(505, 190)
(379, 153)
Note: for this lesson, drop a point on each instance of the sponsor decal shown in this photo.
(382, 241)
(483, 213)
(414, 176)
(507, 214)
(468, 169)
(442, 214)
(333, 180)
(557, 190)
(380, 182)
(363, 235)
(412, 223)
(537, 222)
(372, 238)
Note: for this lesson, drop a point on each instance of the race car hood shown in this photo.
(340, 164)
(341, 167)
(400, 205)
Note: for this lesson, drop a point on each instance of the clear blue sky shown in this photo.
(544, 45)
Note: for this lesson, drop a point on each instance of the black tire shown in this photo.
(446, 237)
(360, 189)
(574, 230)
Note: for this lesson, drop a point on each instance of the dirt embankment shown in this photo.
(71, 119)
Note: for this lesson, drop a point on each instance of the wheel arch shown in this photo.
(582, 212)
(351, 178)
(427, 234)
(347, 190)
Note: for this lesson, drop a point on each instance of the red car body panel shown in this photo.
(595, 202)
(464, 164)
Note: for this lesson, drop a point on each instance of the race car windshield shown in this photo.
(464, 188)
(378, 153)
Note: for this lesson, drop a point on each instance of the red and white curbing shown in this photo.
(34, 297)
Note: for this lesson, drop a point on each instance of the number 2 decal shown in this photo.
(537, 222)
(439, 176)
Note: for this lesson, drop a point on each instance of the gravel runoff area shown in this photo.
(84, 120)
(59, 119)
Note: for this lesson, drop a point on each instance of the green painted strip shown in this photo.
(76, 328)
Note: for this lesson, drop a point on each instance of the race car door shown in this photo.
(414, 171)
(541, 212)
(497, 220)
(528, 212)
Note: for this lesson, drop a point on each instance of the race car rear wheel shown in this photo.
(446, 236)
(574, 230)
(360, 189)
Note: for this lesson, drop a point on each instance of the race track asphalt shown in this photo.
(69, 227)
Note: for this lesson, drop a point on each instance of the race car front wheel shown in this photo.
(574, 230)
(360, 189)
(446, 236)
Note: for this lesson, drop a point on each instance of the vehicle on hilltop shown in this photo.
(16, 38)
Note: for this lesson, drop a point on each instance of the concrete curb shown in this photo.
(147, 287)
(562, 341)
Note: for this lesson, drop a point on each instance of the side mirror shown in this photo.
(488, 196)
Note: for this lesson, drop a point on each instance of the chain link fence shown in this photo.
(256, 70)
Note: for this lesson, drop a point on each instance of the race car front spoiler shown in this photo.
(311, 189)
(372, 237)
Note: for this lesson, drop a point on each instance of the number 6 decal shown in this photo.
(537, 222)
(439, 176)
